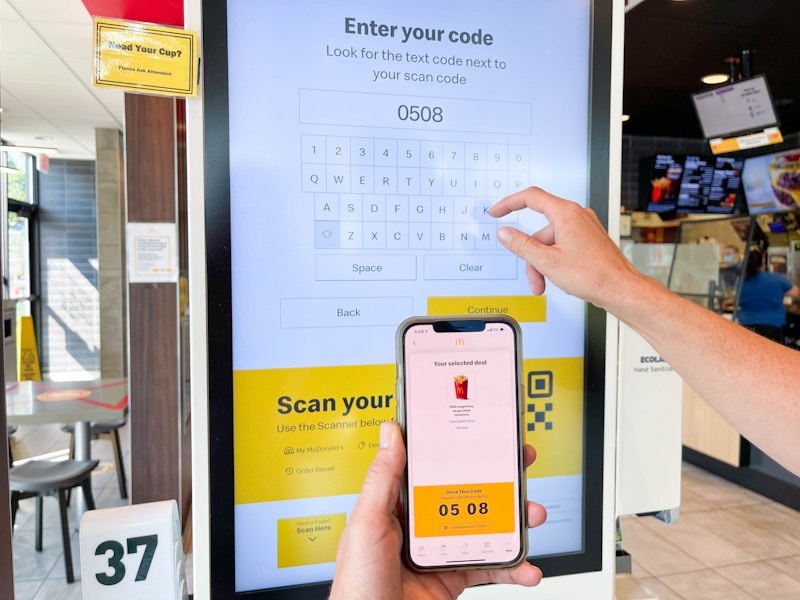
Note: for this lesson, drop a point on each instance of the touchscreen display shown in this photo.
(462, 433)
(366, 142)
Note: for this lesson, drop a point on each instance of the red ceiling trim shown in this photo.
(160, 12)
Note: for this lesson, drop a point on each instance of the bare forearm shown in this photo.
(748, 379)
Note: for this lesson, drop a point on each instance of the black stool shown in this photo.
(110, 430)
(39, 478)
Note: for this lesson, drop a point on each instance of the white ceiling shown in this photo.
(46, 66)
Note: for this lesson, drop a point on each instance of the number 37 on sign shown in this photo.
(133, 552)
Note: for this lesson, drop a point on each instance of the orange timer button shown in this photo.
(464, 509)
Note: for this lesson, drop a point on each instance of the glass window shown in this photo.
(17, 187)
(19, 257)
(20, 204)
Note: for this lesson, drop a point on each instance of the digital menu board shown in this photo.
(354, 151)
(726, 185)
(688, 184)
(772, 182)
(665, 174)
(709, 185)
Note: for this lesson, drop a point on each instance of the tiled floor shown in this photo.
(729, 543)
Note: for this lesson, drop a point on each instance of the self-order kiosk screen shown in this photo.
(367, 140)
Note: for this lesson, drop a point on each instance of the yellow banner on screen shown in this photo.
(312, 432)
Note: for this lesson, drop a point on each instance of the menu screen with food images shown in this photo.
(692, 183)
(366, 143)
(726, 185)
(665, 183)
(772, 182)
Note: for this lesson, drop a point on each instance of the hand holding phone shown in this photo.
(459, 405)
(368, 560)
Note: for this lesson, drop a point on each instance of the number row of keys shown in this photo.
(342, 150)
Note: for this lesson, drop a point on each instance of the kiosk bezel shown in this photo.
(220, 315)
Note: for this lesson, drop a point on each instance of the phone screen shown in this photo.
(462, 424)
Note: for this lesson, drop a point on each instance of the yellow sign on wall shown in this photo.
(138, 57)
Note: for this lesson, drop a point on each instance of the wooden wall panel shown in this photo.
(154, 419)
(704, 430)
(150, 158)
(150, 149)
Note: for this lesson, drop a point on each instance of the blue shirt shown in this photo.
(761, 299)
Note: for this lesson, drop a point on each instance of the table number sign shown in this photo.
(133, 552)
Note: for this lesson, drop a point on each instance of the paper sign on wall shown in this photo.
(152, 253)
(137, 57)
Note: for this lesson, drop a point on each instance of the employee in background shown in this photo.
(368, 563)
(761, 307)
(730, 271)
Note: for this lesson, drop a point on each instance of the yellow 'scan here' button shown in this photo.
(309, 540)
(525, 309)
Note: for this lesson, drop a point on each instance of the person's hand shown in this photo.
(368, 561)
(573, 250)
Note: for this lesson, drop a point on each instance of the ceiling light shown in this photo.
(29, 149)
(715, 78)
(625, 118)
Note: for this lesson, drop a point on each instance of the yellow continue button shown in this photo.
(525, 309)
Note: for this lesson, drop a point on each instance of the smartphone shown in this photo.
(459, 392)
